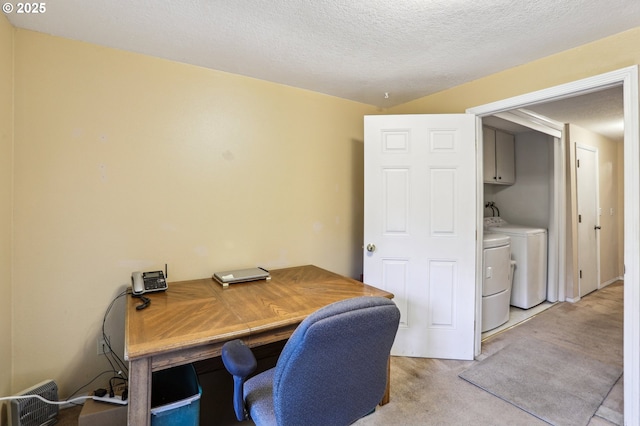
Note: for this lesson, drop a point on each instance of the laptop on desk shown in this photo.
(241, 275)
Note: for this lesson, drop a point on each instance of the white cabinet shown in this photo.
(499, 157)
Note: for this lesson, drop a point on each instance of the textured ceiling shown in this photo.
(601, 112)
(378, 52)
(353, 49)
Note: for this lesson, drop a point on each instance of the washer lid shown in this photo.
(518, 230)
(491, 239)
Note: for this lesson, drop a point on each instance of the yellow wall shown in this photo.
(124, 162)
(6, 168)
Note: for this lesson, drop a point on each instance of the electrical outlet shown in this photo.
(102, 346)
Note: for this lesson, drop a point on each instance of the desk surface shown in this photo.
(200, 312)
(193, 319)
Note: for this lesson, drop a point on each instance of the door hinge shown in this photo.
(579, 218)
(578, 163)
(580, 273)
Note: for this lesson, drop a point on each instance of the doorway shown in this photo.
(527, 204)
(628, 78)
(527, 200)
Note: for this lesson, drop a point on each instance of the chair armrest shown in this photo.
(240, 362)
(238, 358)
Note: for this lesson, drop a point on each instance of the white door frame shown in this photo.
(628, 78)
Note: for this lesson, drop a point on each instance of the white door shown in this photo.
(588, 223)
(420, 228)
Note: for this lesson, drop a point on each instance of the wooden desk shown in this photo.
(193, 319)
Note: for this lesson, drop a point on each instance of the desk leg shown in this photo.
(139, 413)
(387, 392)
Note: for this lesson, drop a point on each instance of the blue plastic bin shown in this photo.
(175, 397)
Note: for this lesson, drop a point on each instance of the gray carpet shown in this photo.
(561, 364)
(559, 385)
(430, 391)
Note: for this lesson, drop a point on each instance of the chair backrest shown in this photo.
(333, 369)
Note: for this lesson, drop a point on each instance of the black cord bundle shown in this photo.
(118, 366)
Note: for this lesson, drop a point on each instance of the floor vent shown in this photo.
(33, 411)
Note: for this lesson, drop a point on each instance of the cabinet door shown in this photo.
(505, 158)
(489, 155)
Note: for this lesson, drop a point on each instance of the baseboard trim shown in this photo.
(602, 285)
(611, 281)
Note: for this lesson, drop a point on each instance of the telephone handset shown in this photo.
(145, 282)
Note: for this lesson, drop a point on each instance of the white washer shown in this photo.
(529, 250)
(496, 280)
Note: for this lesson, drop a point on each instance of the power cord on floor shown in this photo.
(69, 401)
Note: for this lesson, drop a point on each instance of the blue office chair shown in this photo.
(332, 371)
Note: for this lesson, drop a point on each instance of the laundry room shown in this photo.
(518, 187)
(523, 196)
(524, 199)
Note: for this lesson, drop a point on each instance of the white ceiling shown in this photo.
(354, 49)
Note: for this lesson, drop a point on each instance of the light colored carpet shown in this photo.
(559, 385)
(430, 391)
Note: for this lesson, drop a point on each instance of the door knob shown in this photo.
(597, 227)
(371, 248)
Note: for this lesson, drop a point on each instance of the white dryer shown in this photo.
(529, 250)
(496, 280)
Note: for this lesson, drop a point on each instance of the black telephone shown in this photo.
(145, 282)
